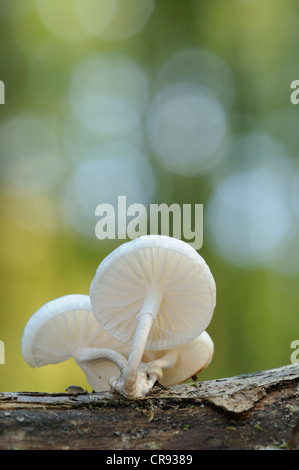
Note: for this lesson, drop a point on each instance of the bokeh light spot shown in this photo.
(114, 74)
(108, 171)
(248, 216)
(108, 114)
(61, 19)
(114, 20)
(201, 67)
(95, 15)
(185, 126)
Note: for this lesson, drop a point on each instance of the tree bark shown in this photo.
(255, 411)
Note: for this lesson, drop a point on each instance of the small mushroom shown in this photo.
(65, 328)
(178, 365)
(153, 293)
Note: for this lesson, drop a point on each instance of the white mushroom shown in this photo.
(65, 328)
(179, 364)
(155, 293)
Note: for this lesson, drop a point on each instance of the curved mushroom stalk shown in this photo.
(90, 356)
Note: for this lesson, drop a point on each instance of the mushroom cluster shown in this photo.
(144, 320)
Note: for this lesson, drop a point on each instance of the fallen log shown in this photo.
(246, 412)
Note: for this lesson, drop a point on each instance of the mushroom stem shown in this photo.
(145, 323)
(146, 317)
(94, 355)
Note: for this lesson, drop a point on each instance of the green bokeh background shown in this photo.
(46, 253)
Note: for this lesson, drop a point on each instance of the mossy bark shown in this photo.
(255, 411)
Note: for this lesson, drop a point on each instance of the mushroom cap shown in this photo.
(63, 328)
(192, 358)
(124, 278)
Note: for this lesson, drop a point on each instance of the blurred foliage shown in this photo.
(165, 101)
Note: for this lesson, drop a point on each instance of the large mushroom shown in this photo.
(153, 293)
(66, 328)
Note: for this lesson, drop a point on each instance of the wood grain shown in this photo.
(254, 411)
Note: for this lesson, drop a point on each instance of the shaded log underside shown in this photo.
(254, 411)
